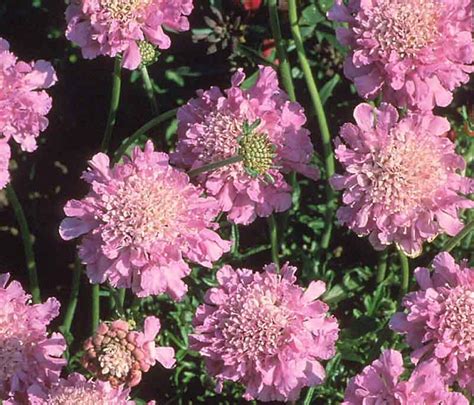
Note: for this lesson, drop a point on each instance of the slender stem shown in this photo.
(284, 66)
(122, 293)
(149, 90)
(322, 121)
(235, 236)
(71, 308)
(405, 273)
(95, 306)
(451, 244)
(114, 104)
(142, 130)
(382, 266)
(309, 396)
(214, 166)
(273, 228)
(27, 244)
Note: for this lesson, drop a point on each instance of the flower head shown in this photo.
(401, 183)
(261, 126)
(112, 27)
(27, 354)
(140, 220)
(4, 160)
(264, 331)
(439, 322)
(120, 355)
(379, 383)
(413, 52)
(76, 390)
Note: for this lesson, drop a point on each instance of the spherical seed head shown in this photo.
(440, 318)
(112, 27)
(254, 319)
(402, 182)
(257, 152)
(141, 219)
(401, 48)
(148, 53)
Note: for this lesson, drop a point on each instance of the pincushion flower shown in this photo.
(379, 383)
(402, 181)
(211, 128)
(113, 27)
(120, 355)
(139, 222)
(28, 355)
(4, 160)
(265, 332)
(412, 52)
(439, 322)
(77, 390)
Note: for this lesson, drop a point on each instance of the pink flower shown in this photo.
(120, 355)
(112, 27)
(439, 323)
(23, 103)
(401, 183)
(211, 128)
(140, 220)
(4, 159)
(380, 383)
(413, 52)
(264, 331)
(77, 390)
(27, 354)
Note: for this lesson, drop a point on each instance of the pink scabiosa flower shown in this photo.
(264, 331)
(261, 126)
(413, 52)
(23, 103)
(379, 383)
(401, 182)
(120, 355)
(439, 322)
(112, 27)
(139, 221)
(28, 355)
(76, 390)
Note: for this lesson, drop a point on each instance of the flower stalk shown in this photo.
(455, 240)
(214, 166)
(114, 104)
(73, 299)
(273, 228)
(149, 90)
(405, 273)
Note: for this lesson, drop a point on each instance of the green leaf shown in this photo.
(328, 88)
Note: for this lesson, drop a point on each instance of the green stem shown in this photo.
(284, 66)
(405, 273)
(71, 308)
(322, 121)
(142, 130)
(382, 266)
(149, 90)
(114, 104)
(214, 166)
(309, 396)
(451, 244)
(235, 237)
(95, 306)
(273, 228)
(27, 244)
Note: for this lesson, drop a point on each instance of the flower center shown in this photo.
(11, 357)
(256, 323)
(142, 210)
(257, 153)
(458, 319)
(406, 172)
(123, 10)
(148, 53)
(76, 396)
(404, 26)
(115, 359)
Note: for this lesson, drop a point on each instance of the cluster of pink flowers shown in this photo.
(120, 355)
(379, 383)
(439, 322)
(140, 220)
(412, 52)
(28, 355)
(402, 182)
(264, 331)
(114, 27)
(212, 128)
(23, 103)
